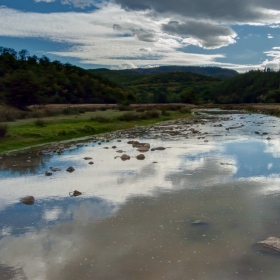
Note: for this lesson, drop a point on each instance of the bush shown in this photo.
(140, 110)
(100, 119)
(3, 130)
(185, 110)
(125, 108)
(152, 114)
(40, 123)
(129, 117)
(70, 111)
(165, 113)
(36, 114)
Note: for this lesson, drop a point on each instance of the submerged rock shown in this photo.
(271, 244)
(28, 200)
(70, 169)
(199, 223)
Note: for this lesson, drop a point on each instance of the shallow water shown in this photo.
(135, 218)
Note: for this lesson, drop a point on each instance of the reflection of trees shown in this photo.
(19, 164)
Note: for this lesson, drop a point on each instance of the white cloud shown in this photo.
(95, 41)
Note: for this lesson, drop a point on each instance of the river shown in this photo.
(194, 210)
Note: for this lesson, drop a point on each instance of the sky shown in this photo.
(122, 34)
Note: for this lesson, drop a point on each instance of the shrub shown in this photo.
(70, 111)
(185, 110)
(36, 114)
(152, 114)
(125, 108)
(129, 117)
(3, 130)
(40, 123)
(165, 113)
(100, 119)
(140, 110)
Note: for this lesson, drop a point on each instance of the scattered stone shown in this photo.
(226, 163)
(206, 141)
(256, 132)
(114, 147)
(143, 149)
(70, 169)
(48, 173)
(91, 162)
(106, 148)
(125, 157)
(272, 243)
(87, 158)
(268, 138)
(140, 157)
(75, 193)
(55, 169)
(194, 131)
(158, 149)
(119, 151)
(28, 200)
(155, 162)
(119, 140)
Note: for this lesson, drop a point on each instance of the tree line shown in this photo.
(27, 80)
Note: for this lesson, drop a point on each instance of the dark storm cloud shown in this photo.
(140, 34)
(208, 35)
(222, 10)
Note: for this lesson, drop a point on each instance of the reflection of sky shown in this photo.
(18, 218)
(58, 229)
(252, 159)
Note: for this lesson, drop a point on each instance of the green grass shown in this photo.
(25, 133)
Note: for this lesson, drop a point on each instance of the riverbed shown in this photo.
(193, 209)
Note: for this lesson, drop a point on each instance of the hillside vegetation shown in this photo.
(216, 72)
(163, 87)
(252, 87)
(26, 80)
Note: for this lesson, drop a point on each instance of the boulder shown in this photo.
(143, 149)
(75, 193)
(271, 244)
(140, 157)
(70, 169)
(125, 157)
(29, 200)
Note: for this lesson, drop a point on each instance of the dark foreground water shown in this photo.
(135, 218)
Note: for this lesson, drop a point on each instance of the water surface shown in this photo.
(135, 218)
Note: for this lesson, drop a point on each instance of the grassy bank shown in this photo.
(33, 131)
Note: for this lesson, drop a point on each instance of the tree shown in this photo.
(188, 96)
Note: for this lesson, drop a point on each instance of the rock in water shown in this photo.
(29, 200)
(140, 157)
(125, 157)
(48, 173)
(70, 169)
(75, 193)
(272, 243)
(87, 158)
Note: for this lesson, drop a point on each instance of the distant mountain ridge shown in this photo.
(216, 72)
